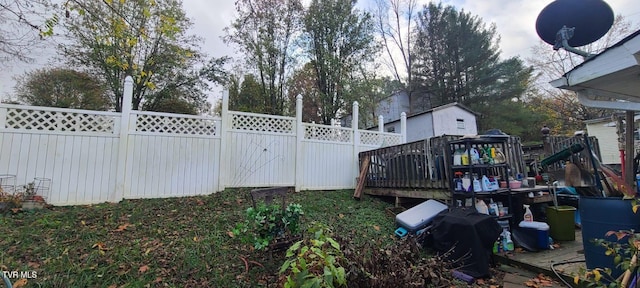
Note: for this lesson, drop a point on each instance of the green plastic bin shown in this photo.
(561, 222)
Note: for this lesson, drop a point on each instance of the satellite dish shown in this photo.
(585, 20)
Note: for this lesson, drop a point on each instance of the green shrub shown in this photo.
(314, 262)
(267, 223)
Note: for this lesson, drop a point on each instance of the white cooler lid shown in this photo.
(534, 225)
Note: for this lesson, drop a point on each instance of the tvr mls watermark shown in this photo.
(30, 274)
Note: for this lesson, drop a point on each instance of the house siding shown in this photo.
(435, 123)
(445, 121)
(419, 127)
(391, 107)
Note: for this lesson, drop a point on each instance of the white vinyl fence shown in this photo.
(94, 157)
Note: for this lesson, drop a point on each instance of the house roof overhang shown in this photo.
(609, 80)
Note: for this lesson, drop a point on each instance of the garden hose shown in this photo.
(553, 268)
(6, 280)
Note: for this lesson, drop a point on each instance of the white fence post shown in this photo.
(356, 140)
(403, 126)
(121, 178)
(225, 125)
(3, 118)
(299, 137)
(380, 124)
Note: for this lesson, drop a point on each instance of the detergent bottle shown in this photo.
(477, 187)
(486, 184)
(493, 208)
(475, 156)
(466, 182)
(464, 158)
(457, 157)
(481, 207)
(528, 216)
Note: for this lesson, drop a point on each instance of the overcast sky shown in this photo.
(515, 21)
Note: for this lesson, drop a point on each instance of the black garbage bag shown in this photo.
(465, 237)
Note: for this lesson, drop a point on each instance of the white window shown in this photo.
(460, 123)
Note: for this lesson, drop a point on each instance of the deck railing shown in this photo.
(422, 164)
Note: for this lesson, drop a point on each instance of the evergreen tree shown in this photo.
(457, 59)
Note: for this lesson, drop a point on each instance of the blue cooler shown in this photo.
(536, 230)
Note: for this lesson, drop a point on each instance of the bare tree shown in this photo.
(264, 32)
(23, 23)
(395, 23)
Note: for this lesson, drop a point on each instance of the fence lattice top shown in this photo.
(264, 123)
(32, 119)
(327, 133)
(379, 139)
(175, 125)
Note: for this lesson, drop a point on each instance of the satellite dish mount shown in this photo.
(562, 41)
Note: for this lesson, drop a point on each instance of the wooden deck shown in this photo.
(567, 259)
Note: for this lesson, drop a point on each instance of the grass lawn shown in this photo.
(176, 242)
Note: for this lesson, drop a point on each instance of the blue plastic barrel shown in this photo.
(600, 215)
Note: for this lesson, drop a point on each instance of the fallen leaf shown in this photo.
(143, 268)
(83, 223)
(113, 286)
(231, 234)
(195, 238)
(123, 227)
(101, 246)
(200, 202)
(158, 280)
(34, 265)
(341, 215)
(493, 286)
(15, 210)
(480, 281)
(376, 227)
(20, 283)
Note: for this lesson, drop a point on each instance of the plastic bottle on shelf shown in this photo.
(475, 156)
(493, 208)
(457, 157)
(477, 187)
(464, 158)
(528, 216)
(493, 183)
(458, 182)
(481, 207)
(466, 182)
(486, 184)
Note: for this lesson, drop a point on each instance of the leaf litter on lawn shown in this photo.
(176, 242)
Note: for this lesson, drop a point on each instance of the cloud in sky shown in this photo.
(515, 21)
